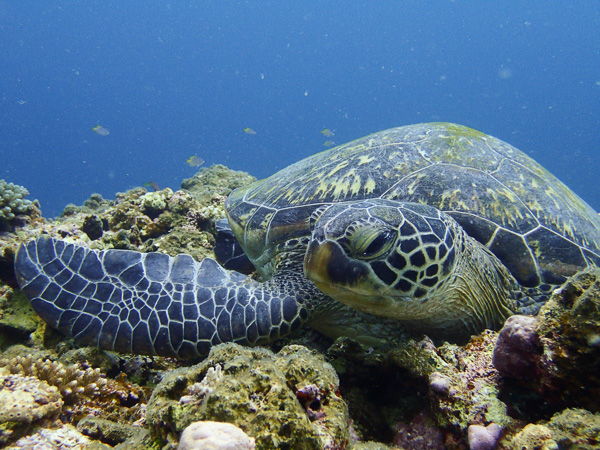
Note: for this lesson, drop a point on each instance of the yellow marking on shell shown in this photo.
(267, 219)
(352, 181)
(551, 192)
(365, 159)
(369, 186)
(447, 196)
(340, 187)
(337, 168)
(355, 187)
(325, 186)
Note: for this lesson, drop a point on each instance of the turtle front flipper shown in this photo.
(151, 303)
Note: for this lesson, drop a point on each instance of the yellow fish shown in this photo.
(194, 161)
(327, 132)
(328, 143)
(249, 131)
(99, 129)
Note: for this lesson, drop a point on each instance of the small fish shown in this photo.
(151, 184)
(249, 131)
(194, 161)
(328, 143)
(99, 129)
(327, 132)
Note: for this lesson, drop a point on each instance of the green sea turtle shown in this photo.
(438, 226)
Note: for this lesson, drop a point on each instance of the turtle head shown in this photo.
(381, 256)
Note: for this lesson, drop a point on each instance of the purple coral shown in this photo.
(518, 349)
(484, 438)
(439, 383)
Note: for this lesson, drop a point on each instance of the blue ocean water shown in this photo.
(173, 80)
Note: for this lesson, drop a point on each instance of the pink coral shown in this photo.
(484, 438)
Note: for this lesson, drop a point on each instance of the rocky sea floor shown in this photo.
(535, 384)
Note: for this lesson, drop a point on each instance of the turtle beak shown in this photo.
(327, 266)
(342, 278)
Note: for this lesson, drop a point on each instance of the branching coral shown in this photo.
(72, 381)
(197, 391)
(12, 201)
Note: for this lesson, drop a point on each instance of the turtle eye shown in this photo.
(372, 243)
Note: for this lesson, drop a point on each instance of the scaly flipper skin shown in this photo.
(153, 304)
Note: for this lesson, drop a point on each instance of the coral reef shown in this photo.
(83, 390)
(13, 202)
(215, 181)
(26, 402)
(555, 356)
(576, 428)
(534, 436)
(569, 329)
(463, 383)
(63, 438)
(283, 400)
(214, 435)
(460, 384)
(72, 381)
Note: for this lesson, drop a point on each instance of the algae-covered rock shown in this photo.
(555, 356)
(284, 400)
(18, 320)
(62, 438)
(26, 402)
(569, 329)
(460, 383)
(197, 244)
(576, 428)
(107, 431)
(421, 433)
(94, 204)
(215, 180)
(154, 203)
(471, 397)
(534, 436)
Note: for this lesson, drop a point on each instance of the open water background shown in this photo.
(173, 80)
